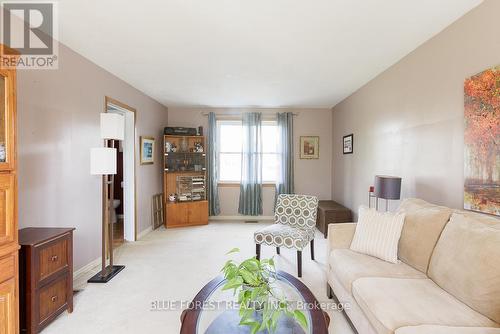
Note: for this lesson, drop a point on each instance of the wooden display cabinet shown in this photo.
(9, 282)
(185, 176)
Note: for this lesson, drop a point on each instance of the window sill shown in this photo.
(237, 184)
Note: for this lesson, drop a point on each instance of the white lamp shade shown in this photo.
(102, 161)
(112, 126)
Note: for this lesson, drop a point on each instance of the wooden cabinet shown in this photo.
(198, 213)
(187, 214)
(185, 176)
(9, 247)
(45, 275)
(8, 223)
(8, 307)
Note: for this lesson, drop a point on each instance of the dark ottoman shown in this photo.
(330, 212)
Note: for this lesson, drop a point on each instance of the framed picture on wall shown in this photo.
(147, 150)
(309, 147)
(348, 144)
(482, 157)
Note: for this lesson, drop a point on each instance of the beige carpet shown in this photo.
(175, 264)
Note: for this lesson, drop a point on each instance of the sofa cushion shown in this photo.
(348, 266)
(423, 225)
(377, 233)
(391, 303)
(426, 329)
(350, 307)
(479, 217)
(466, 263)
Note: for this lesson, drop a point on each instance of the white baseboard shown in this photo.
(241, 218)
(86, 268)
(144, 233)
(95, 265)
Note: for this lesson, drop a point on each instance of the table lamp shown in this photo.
(388, 188)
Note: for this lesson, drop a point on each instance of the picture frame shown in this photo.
(309, 147)
(147, 150)
(348, 144)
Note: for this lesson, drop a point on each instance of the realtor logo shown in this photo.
(29, 29)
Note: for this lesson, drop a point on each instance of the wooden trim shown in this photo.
(109, 100)
(6, 50)
(189, 318)
(9, 246)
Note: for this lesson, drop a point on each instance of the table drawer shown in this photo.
(52, 298)
(52, 257)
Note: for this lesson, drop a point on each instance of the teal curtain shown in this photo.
(285, 176)
(251, 166)
(213, 167)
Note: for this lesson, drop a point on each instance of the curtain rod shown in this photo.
(204, 113)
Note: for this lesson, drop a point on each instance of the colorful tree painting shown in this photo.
(482, 136)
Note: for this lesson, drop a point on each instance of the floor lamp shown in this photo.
(103, 162)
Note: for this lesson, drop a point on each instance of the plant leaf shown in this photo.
(255, 328)
(234, 250)
(250, 264)
(249, 277)
(233, 283)
(301, 319)
(274, 321)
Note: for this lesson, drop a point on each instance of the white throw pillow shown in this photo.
(377, 234)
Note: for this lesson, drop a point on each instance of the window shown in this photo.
(230, 141)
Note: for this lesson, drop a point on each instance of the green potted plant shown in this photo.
(261, 305)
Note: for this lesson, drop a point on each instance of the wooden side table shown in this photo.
(330, 212)
(45, 276)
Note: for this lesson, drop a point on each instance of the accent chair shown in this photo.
(295, 221)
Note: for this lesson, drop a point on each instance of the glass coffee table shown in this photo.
(214, 311)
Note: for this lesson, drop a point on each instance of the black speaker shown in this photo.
(179, 131)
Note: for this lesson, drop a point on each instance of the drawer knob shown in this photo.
(53, 258)
(54, 298)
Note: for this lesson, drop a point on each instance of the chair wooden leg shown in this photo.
(312, 249)
(278, 250)
(257, 251)
(299, 263)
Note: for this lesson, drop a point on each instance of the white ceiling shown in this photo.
(267, 53)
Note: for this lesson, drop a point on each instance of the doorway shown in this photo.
(124, 217)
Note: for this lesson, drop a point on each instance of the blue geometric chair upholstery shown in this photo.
(295, 221)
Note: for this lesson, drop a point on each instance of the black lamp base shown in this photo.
(111, 271)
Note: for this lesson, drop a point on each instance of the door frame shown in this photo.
(109, 101)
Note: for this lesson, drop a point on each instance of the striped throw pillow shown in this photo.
(377, 234)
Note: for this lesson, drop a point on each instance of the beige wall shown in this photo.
(58, 122)
(409, 120)
(311, 176)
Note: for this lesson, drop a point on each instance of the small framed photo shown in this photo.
(147, 150)
(309, 147)
(348, 144)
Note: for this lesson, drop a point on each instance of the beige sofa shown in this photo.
(446, 282)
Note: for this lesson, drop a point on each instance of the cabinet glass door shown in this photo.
(6, 117)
